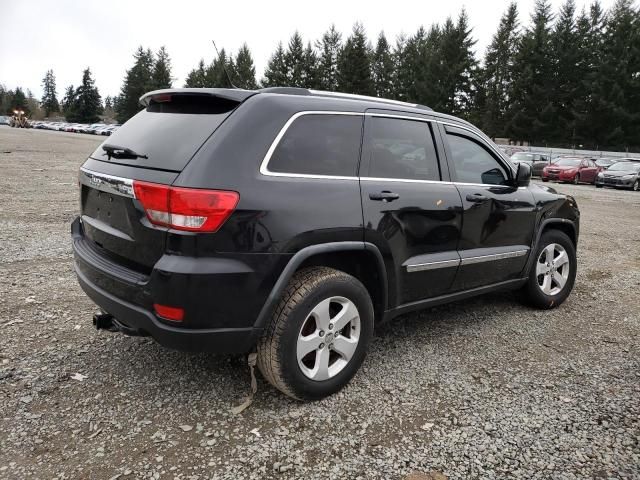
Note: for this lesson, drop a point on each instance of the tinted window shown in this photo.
(319, 145)
(402, 149)
(169, 133)
(568, 162)
(473, 164)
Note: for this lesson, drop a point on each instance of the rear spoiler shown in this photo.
(233, 94)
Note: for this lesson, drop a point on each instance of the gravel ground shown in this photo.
(481, 389)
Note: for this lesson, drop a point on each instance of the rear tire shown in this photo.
(598, 186)
(318, 335)
(549, 284)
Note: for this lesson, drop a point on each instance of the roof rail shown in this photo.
(345, 96)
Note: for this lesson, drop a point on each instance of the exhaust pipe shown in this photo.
(104, 321)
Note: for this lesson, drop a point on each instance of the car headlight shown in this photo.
(627, 177)
(600, 175)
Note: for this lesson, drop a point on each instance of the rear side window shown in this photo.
(319, 145)
(402, 149)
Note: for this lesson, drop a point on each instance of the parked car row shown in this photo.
(576, 169)
(94, 128)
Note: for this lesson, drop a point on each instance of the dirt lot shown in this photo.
(481, 389)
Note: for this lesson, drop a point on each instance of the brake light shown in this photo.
(170, 313)
(189, 209)
(161, 98)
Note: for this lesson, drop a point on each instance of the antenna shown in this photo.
(224, 67)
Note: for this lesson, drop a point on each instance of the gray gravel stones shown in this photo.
(482, 389)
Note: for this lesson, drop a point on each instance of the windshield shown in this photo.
(522, 157)
(167, 134)
(625, 167)
(568, 162)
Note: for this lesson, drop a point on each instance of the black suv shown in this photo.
(293, 221)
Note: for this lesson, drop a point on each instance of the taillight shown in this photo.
(190, 209)
(170, 313)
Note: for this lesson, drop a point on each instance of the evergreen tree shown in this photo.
(459, 65)
(531, 110)
(5, 99)
(310, 72)
(275, 74)
(294, 62)
(354, 64)
(383, 68)
(498, 73)
(161, 74)
(421, 68)
(33, 107)
(115, 101)
(245, 69)
(138, 81)
(216, 76)
(329, 46)
(402, 66)
(197, 78)
(566, 76)
(49, 100)
(109, 103)
(69, 101)
(587, 103)
(617, 89)
(88, 103)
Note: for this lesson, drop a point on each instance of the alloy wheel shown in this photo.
(328, 338)
(552, 269)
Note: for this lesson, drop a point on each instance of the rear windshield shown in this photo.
(167, 133)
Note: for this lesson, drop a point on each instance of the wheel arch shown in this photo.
(562, 224)
(362, 260)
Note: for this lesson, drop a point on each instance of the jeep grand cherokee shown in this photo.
(291, 222)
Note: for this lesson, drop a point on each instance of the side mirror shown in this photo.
(523, 175)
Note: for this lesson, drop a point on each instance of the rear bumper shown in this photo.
(221, 296)
(144, 322)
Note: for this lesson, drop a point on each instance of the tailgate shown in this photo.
(153, 146)
(116, 223)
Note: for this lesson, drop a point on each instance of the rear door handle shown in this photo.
(384, 196)
(476, 198)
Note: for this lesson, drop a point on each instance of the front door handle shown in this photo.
(476, 198)
(384, 196)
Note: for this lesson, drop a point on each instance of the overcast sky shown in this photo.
(68, 35)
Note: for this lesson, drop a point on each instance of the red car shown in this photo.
(571, 169)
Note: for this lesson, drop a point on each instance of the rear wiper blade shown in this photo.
(121, 152)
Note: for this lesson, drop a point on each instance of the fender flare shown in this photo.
(541, 228)
(304, 254)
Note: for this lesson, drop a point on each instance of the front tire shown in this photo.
(318, 335)
(576, 179)
(636, 186)
(552, 273)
